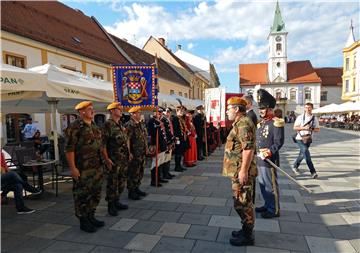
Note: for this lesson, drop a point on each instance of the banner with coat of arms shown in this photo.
(215, 106)
(135, 85)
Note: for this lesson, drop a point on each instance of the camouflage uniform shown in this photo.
(85, 141)
(241, 137)
(115, 140)
(137, 134)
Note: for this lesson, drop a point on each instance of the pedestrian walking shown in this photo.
(84, 146)
(270, 138)
(240, 166)
(137, 134)
(117, 156)
(305, 125)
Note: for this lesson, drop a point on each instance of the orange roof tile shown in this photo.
(330, 76)
(297, 71)
(58, 25)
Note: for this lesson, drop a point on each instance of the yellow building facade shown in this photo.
(351, 73)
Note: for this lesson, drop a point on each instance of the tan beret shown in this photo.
(114, 105)
(236, 101)
(83, 105)
(135, 109)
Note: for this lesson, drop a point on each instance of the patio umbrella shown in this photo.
(331, 108)
(348, 107)
(62, 90)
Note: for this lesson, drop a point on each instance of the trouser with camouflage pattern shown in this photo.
(116, 181)
(135, 172)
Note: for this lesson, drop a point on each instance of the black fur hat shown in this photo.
(265, 99)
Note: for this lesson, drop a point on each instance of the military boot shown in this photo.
(133, 195)
(112, 210)
(166, 171)
(178, 166)
(140, 192)
(153, 179)
(95, 222)
(85, 225)
(247, 237)
(120, 206)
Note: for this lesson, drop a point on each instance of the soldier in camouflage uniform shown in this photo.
(83, 149)
(240, 166)
(137, 134)
(116, 155)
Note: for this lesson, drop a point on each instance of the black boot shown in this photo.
(153, 179)
(178, 166)
(160, 172)
(166, 171)
(140, 192)
(85, 225)
(246, 239)
(120, 206)
(112, 210)
(133, 195)
(95, 222)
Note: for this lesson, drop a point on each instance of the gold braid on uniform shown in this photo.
(279, 122)
(182, 125)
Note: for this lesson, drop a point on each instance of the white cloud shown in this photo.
(190, 46)
(317, 30)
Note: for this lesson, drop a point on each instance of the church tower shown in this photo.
(277, 62)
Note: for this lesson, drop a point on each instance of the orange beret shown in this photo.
(236, 101)
(83, 105)
(114, 105)
(135, 109)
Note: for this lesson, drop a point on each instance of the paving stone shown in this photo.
(225, 234)
(103, 249)
(190, 208)
(289, 193)
(20, 227)
(192, 218)
(356, 244)
(267, 225)
(173, 245)
(296, 207)
(213, 247)
(351, 220)
(49, 231)
(32, 244)
(175, 186)
(157, 197)
(202, 233)
(165, 206)
(124, 224)
(289, 227)
(217, 210)
(103, 237)
(181, 199)
(319, 245)
(146, 227)
(173, 229)
(288, 215)
(65, 247)
(225, 221)
(326, 219)
(144, 214)
(166, 216)
(143, 242)
(280, 241)
(253, 249)
(209, 201)
(345, 232)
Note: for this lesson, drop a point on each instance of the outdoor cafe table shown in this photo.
(39, 165)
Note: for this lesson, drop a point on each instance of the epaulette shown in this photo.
(278, 122)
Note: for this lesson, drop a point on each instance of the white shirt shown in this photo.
(301, 120)
(29, 131)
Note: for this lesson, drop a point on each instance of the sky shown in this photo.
(228, 32)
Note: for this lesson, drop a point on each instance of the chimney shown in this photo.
(162, 41)
(178, 47)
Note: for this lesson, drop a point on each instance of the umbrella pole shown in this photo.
(53, 104)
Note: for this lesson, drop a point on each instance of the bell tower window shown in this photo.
(278, 47)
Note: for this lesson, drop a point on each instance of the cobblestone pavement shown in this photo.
(194, 212)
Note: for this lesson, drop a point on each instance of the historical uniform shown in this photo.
(270, 137)
(170, 143)
(137, 134)
(85, 140)
(240, 138)
(116, 143)
(199, 123)
(180, 135)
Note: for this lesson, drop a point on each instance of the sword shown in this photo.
(287, 175)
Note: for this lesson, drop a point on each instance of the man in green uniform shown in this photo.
(116, 155)
(137, 134)
(83, 149)
(240, 166)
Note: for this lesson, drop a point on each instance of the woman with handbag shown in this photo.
(305, 124)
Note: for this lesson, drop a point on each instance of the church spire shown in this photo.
(351, 37)
(278, 24)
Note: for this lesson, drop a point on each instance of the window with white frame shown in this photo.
(278, 94)
(293, 95)
(354, 65)
(307, 94)
(347, 64)
(347, 85)
(172, 92)
(354, 84)
(180, 93)
(323, 96)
